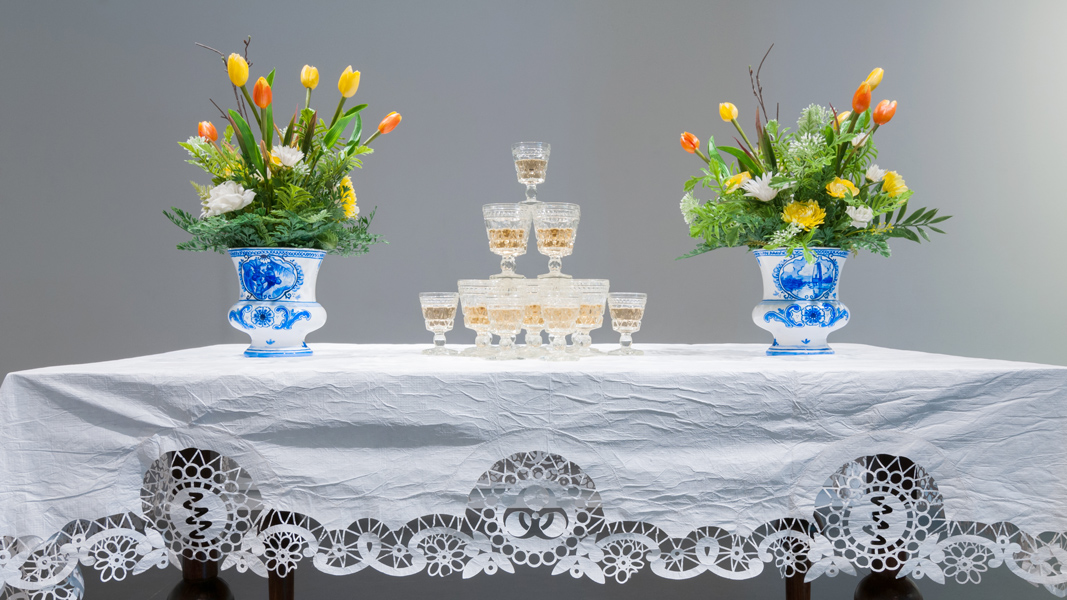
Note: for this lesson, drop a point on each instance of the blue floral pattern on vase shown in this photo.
(800, 306)
(276, 305)
(268, 277)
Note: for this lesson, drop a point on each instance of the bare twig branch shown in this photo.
(221, 112)
(213, 50)
(757, 87)
(249, 41)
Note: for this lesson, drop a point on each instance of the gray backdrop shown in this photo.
(96, 94)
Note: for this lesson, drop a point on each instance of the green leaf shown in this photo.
(768, 151)
(268, 122)
(339, 127)
(247, 142)
(743, 160)
(692, 183)
(357, 133)
(722, 171)
(309, 133)
(270, 78)
(289, 131)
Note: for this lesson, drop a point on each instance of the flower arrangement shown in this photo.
(291, 187)
(816, 186)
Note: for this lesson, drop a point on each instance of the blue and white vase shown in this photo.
(277, 306)
(800, 306)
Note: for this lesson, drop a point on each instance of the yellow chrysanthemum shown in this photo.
(348, 198)
(839, 187)
(893, 184)
(807, 214)
(735, 182)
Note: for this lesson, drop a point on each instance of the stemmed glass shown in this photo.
(473, 294)
(439, 311)
(556, 225)
(531, 162)
(532, 319)
(594, 294)
(506, 303)
(626, 312)
(560, 304)
(508, 227)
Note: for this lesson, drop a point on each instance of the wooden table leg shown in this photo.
(885, 585)
(281, 588)
(796, 588)
(200, 581)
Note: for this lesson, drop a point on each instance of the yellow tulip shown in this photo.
(727, 111)
(348, 83)
(893, 184)
(841, 118)
(237, 68)
(839, 187)
(808, 215)
(875, 78)
(735, 182)
(309, 77)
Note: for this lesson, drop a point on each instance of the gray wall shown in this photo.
(94, 96)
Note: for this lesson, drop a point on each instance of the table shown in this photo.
(692, 459)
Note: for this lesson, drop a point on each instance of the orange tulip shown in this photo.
(389, 123)
(861, 100)
(206, 130)
(261, 94)
(690, 143)
(884, 112)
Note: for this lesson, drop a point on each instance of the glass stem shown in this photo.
(625, 340)
(506, 342)
(531, 193)
(483, 339)
(555, 263)
(439, 340)
(507, 265)
(533, 338)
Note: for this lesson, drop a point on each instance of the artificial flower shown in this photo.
(348, 83)
(861, 100)
(735, 182)
(286, 156)
(874, 174)
(841, 118)
(839, 187)
(389, 123)
(688, 206)
(309, 77)
(884, 111)
(727, 111)
(861, 215)
(261, 93)
(237, 68)
(807, 214)
(348, 198)
(226, 197)
(860, 140)
(690, 143)
(875, 78)
(206, 130)
(893, 184)
(760, 188)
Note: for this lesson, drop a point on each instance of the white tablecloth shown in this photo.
(681, 438)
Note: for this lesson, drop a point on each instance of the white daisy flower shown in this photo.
(760, 188)
(860, 140)
(861, 216)
(287, 155)
(874, 174)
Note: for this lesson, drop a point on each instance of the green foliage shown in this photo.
(302, 193)
(799, 167)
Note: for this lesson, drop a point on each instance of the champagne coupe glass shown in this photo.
(531, 162)
(626, 311)
(508, 227)
(555, 224)
(439, 310)
(560, 304)
(506, 303)
(472, 296)
(532, 319)
(594, 294)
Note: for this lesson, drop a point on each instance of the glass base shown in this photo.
(584, 351)
(626, 352)
(477, 352)
(553, 276)
(512, 354)
(440, 351)
(533, 351)
(559, 357)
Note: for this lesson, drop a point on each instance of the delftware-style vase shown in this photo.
(800, 306)
(277, 306)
